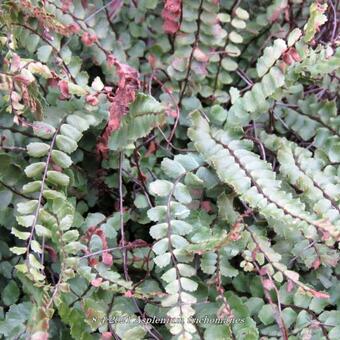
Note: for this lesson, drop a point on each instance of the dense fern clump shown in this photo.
(169, 169)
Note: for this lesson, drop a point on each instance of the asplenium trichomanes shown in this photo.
(166, 161)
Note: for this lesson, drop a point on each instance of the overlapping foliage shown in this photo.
(169, 160)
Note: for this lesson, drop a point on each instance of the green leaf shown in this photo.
(44, 53)
(170, 300)
(172, 168)
(141, 202)
(42, 231)
(178, 242)
(169, 275)
(227, 269)
(161, 246)
(334, 333)
(66, 144)
(218, 114)
(61, 159)
(226, 211)
(242, 13)
(159, 231)
(237, 23)
(5, 161)
(145, 104)
(35, 246)
(15, 323)
(270, 55)
(33, 261)
(188, 284)
(223, 17)
(182, 193)
(188, 298)
(266, 315)
(35, 169)
(40, 69)
(37, 149)
(289, 316)
(254, 305)
(315, 20)
(22, 235)
(18, 250)
(27, 207)
(78, 123)
(74, 247)
(157, 213)
(76, 89)
(70, 236)
(43, 130)
(301, 300)
(179, 210)
(193, 181)
(58, 178)
(5, 199)
(214, 332)
(210, 180)
(186, 270)
(172, 287)
(71, 132)
(31, 187)
(162, 260)
(53, 194)
(189, 161)
(150, 4)
(229, 64)
(293, 36)
(180, 227)
(25, 221)
(235, 37)
(317, 305)
(161, 188)
(133, 128)
(97, 84)
(10, 294)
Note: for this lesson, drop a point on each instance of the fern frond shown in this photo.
(170, 234)
(55, 215)
(145, 113)
(251, 177)
(274, 258)
(306, 173)
(256, 100)
(270, 55)
(318, 120)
